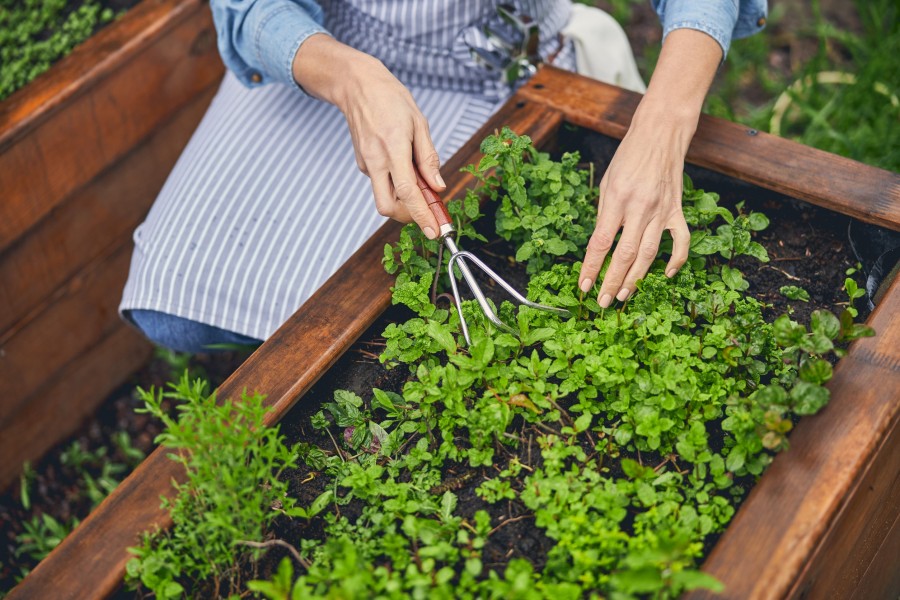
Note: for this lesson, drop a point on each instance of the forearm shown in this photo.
(679, 85)
(332, 71)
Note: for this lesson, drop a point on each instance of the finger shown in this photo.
(598, 247)
(646, 255)
(681, 245)
(624, 256)
(385, 202)
(403, 177)
(427, 159)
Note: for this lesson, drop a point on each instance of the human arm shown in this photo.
(285, 41)
(641, 191)
(390, 135)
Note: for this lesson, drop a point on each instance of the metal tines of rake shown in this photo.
(461, 258)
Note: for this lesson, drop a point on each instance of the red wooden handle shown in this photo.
(437, 206)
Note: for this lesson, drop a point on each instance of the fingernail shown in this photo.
(586, 284)
(429, 232)
(605, 301)
(671, 273)
(623, 293)
(440, 180)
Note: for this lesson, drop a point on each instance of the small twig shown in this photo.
(546, 428)
(469, 527)
(336, 447)
(507, 522)
(562, 411)
(780, 258)
(785, 273)
(282, 543)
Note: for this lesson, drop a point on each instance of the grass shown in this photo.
(822, 73)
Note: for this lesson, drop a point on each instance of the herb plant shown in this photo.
(231, 494)
(625, 436)
(36, 33)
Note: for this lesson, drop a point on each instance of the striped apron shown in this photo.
(246, 228)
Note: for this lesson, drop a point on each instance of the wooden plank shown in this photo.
(90, 563)
(58, 409)
(84, 313)
(882, 578)
(821, 178)
(773, 553)
(859, 531)
(102, 214)
(84, 114)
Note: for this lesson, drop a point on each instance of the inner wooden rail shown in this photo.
(818, 517)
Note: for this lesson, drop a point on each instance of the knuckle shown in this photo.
(432, 160)
(648, 252)
(383, 209)
(626, 251)
(404, 189)
(602, 241)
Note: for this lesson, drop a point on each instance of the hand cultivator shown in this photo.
(462, 258)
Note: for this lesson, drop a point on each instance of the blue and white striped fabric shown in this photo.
(266, 201)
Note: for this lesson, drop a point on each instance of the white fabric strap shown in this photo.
(602, 50)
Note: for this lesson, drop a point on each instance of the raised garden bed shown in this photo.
(817, 518)
(84, 149)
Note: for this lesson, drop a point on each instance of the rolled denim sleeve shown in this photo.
(259, 38)
(723, 20)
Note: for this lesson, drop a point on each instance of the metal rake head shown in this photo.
(461, 258)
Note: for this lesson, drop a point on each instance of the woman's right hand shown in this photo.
(390, 134)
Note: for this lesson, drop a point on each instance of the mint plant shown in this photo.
(793, 292)
(623, 436)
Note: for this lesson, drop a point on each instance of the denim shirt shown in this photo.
(259, 38)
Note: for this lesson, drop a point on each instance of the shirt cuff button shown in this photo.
(761, 22)
(255, 77)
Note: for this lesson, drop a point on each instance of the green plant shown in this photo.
(793, 292)
(42, 533)
(854, 292)
(35, 33)
(620, 404)
(844, 99)
(231, 493)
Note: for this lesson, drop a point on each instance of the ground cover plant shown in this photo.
(623, 438)
(36, 33)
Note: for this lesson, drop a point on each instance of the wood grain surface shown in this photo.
(102, 214)
(59, 408)
(59, 132)
(84, 150)
(814, 521)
